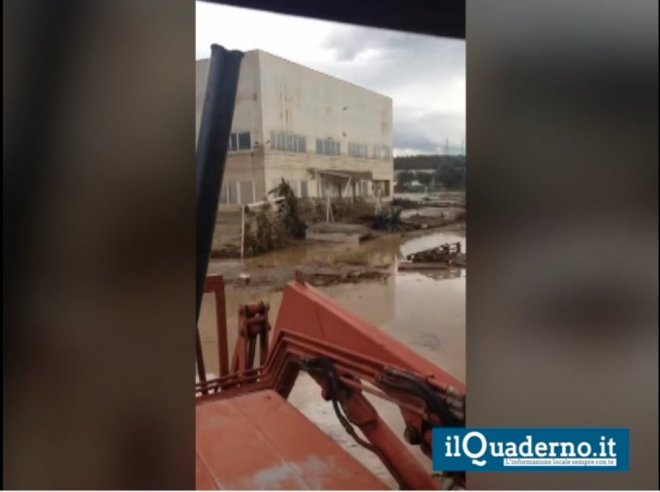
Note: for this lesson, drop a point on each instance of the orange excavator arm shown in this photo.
(347, 357)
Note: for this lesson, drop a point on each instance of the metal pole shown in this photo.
(242, 231)
(327, 208)
(212, 145)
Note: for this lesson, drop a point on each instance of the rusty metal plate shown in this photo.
(260, 442)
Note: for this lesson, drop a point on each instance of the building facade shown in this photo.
(324, 136)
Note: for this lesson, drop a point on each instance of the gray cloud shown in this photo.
(350, 41)
(444, 58)
(424, 75)
(416, 71)
(428, 133)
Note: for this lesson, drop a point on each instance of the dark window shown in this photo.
(240, 141)
(244, 141)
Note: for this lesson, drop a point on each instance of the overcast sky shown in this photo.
(424, 75)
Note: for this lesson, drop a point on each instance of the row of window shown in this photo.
(235, 192)
(291, 142)
(238, 192)
(327, 146)
(288, 142)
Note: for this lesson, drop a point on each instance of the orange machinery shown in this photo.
(248, 436)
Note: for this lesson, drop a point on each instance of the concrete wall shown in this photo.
(247, 111)
(276, 95)
(241, 166)
(227, 232)
(303, 101)
(244, 167)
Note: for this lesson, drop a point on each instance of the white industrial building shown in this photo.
(325, 136)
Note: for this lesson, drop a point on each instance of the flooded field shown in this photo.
(424, 310)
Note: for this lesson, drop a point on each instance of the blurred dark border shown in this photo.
(98, 244)
(445, 18)
(562, 290)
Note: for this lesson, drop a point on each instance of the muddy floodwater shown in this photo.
(423, 310)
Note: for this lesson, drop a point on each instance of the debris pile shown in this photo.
(226, 251)
(348, 269)
(338, 232)
(405, 203)
(390, 220)
(319, 274)
(274, 225)
(345, 210)
(446, 254)
(444, 201)
(264, 231)
(419, 221)
(288, 210)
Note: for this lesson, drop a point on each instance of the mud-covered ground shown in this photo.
(327, 265)
(262, 276)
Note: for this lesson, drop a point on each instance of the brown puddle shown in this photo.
(425, 311)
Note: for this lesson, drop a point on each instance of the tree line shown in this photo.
(412, 172)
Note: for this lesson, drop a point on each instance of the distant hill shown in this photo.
(422, 162)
